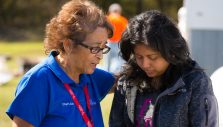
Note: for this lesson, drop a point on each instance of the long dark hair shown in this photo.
(156, 30)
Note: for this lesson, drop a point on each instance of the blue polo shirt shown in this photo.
(42, 100)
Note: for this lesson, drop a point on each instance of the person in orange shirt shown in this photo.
(119, 23)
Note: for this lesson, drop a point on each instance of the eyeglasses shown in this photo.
(95, 50)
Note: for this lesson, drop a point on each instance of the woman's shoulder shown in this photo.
(195, 74)
(99, 73)
(196, 78)
(35, 78)
(40, 70)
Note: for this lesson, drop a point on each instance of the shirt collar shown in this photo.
(59, 72)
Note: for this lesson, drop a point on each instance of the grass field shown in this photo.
(30, 50)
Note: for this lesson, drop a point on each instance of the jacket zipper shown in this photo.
(206, 110)
(162, 95)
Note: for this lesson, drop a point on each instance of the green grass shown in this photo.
(106, 106)
(15, 50)
(6, 96)
(30, 50)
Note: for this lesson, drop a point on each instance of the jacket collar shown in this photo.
(172, 90)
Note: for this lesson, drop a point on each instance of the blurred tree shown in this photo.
(139, 6)
(32, 15)
(19, 16)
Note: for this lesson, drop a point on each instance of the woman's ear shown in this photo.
(68, 46)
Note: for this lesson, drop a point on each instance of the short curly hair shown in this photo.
(74, 21)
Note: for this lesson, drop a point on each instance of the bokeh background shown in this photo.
(23, 19)
(22, 25)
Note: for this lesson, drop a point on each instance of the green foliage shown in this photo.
(18, 16)
(23, 13)
(22, 49)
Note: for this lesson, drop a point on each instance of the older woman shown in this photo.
(66, 89)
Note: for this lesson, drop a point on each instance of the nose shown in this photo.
(99, 55)
(146, 63)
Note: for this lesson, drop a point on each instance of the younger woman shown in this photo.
(160, 86)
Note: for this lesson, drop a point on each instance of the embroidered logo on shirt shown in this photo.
(67, 103)
(146, 113)
(149, 115)
(92, 103)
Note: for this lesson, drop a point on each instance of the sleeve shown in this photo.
(116, 118)
(103, 82)
(203, 108)
(31, 101)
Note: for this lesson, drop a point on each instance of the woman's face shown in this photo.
(150, 61)
(81, 59)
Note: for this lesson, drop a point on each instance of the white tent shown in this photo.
(217, 81)
(5, 74)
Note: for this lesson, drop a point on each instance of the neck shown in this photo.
(156, 83)
(64, 63)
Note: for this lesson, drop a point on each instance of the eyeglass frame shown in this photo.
(96, 49)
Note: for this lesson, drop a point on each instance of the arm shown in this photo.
(28, 104)
(103, 82)
(203, 110)
(18, 122)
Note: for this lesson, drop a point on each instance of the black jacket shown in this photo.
(190, 102)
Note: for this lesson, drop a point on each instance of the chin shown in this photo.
(152, 75)
(90, 71)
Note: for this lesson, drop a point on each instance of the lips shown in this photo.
(94, 64)
(149, 72)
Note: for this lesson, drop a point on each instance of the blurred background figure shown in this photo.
(5, 74)
(113, 61)
(217, 81)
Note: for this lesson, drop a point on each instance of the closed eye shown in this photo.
(138, 57)
(153, 57)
